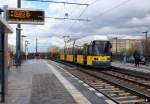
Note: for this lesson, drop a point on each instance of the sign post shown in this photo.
(23, 16)
(2, 63)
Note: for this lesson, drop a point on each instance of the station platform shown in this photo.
(43, 82)
(128, 66)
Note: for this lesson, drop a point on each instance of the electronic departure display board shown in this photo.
(25, 16)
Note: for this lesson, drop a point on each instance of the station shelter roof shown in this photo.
(3, 23)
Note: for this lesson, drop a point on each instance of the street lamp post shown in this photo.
(73, 49)
(18, 46)
(26, 44)
(146, 37)
(66, 38)
(146, 42)
(18, 39)
(23, 36)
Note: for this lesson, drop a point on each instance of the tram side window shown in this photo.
(68, 50)
(62, 51)
(80, 50)
(71, 51)
(85, 50)
(108, 47)
(90, 50)
(75, 50)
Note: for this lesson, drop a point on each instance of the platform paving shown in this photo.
(34, 83)
(43, 82)
(141, 68)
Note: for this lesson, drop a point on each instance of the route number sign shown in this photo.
(25, 16)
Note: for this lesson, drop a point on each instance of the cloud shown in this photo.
(10, 3)
(55, 6)
(106, 17)
(116, 18)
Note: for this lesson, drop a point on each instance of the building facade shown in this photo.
(120, 45)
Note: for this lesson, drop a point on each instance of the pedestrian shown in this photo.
(137, 57)
(8, 59)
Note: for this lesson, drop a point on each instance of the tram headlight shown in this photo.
(95, 58)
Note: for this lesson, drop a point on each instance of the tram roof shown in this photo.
(88, 40)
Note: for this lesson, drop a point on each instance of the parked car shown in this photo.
(131, 60)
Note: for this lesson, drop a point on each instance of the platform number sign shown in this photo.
(25, 16)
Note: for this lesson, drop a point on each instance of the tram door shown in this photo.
(85, 53)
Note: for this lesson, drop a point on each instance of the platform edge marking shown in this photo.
(99, 94)
(110, 102)
(78, 96)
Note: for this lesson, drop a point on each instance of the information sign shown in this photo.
(25, 16)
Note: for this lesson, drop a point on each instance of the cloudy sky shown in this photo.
(123, 17)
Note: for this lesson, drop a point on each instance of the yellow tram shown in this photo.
(91, 50)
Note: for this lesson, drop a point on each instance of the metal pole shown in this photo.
(146, 32)
(65, 40)
(18, 39)
(22, 48)
(25, 47)
(116, 46)
(74, 50)
(36, 45)
(146, 36)
(3, 66)
(26, 52)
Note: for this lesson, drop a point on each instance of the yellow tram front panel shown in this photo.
(80, 59)
(69, 58)
(62, 57)
(91, 59)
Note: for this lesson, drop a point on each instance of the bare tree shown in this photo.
(135, 46)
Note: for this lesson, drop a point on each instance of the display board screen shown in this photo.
(25, 16)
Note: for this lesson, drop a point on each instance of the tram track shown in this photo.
(119, 87)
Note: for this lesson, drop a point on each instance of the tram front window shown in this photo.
(101, 48)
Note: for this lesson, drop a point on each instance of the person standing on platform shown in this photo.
(137, 57)
(8, 59)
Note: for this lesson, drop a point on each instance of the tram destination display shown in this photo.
(25, 16)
